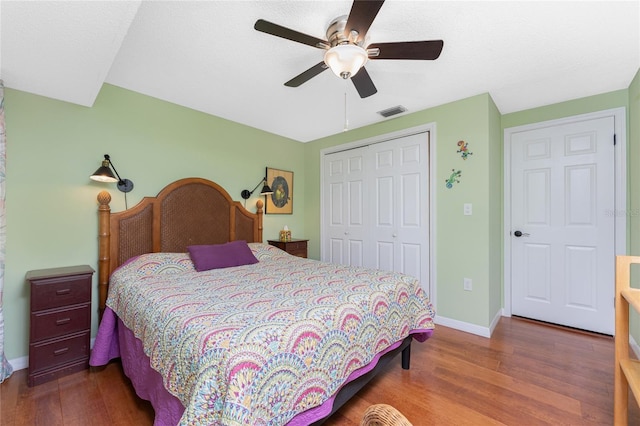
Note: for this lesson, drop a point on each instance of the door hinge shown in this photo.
(614, 139)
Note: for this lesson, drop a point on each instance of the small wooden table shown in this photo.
(295, 247)
(60, 326)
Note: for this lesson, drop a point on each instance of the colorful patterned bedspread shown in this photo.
(258, 344)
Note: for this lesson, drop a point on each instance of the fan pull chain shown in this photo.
(346, 121)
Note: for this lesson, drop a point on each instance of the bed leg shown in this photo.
(406, 357)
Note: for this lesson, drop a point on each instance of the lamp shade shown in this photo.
(266, 190)
(345, 59)
(104, 173)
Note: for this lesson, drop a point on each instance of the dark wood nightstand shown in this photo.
(294, 247)
(60, 326)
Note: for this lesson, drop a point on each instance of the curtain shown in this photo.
(5, 367)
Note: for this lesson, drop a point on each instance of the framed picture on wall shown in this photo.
(281, 183)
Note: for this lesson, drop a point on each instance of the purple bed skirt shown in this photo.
(115, 340)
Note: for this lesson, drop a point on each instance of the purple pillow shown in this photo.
(234, 253)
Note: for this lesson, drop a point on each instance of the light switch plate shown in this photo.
(467, 284)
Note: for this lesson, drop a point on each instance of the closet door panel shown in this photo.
(356, 203)
(402, 164)
(383, 208)
(344, 209)
(376, 206)
(384, 256)
(411, 259)
(336, 251)
(335, 206)
(410, 200)
(356, 252)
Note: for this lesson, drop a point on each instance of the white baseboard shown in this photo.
(19, 363)
(495, 321)
(463, 326)
(471, 328)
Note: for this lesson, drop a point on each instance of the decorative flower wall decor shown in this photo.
(463, 150)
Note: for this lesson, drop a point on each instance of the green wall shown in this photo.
(600, 102)
(496, 189)
(476, 121)
(53, 147)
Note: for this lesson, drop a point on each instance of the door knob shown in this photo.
(520, 234)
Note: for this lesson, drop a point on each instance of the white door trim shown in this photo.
(431, 128)
(620, 128)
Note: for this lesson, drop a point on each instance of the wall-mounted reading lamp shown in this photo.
(104, 174)
(266, 190)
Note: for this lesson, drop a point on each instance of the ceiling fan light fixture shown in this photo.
(345, 60)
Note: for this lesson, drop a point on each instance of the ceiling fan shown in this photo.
(346, 49)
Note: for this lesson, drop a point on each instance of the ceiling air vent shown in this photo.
(392, 111)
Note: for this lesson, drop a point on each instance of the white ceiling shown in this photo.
(206, 55)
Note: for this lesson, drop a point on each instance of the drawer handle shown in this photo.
(60, 351)
(63, 291)
(63, 321)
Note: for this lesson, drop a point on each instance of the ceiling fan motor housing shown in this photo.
(345, 57)
(335, 32)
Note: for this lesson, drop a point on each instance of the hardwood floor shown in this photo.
(526, 374)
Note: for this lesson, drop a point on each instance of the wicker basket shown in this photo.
(383, 415)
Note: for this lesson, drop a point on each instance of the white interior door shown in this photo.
(563, 224)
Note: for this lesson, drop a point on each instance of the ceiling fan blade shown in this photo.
(426, 50)
(364, 84)
(307, 75)
(361, 16)
(289, 34)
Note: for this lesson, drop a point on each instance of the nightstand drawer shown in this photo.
(296, 246)
(61, 291)
(293, 247)
(54, 323)
(51, 353)
(300, 252)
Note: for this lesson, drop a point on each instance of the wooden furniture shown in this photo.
(60, 325)
(294, 247)
(186, 212)
(627, 370)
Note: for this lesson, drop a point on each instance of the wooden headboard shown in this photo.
(186, 212)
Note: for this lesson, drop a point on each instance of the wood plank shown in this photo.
(632, 295)
(631, 368)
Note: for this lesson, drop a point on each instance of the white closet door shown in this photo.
(375, 206)
(345, 187)
(399, 200)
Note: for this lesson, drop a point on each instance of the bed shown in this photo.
(214, 327)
